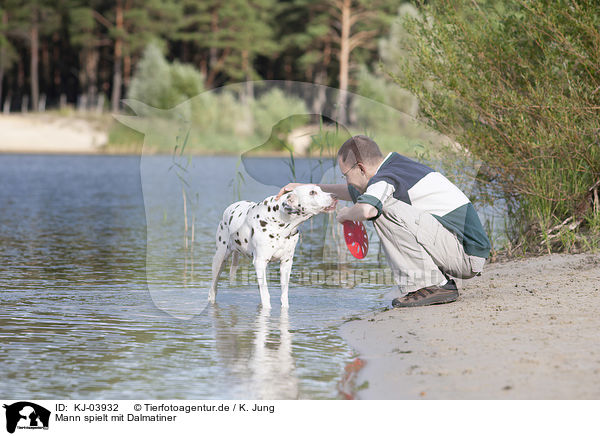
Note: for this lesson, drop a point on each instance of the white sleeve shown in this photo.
(380, 190)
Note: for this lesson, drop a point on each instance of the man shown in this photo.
(428, 228)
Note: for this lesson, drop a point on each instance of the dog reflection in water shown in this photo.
(258, 354)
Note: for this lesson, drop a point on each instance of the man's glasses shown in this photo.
(344, 175)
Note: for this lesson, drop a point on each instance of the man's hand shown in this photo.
(341, 215)
(287, 188)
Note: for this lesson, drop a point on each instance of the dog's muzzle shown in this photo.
(332, 206)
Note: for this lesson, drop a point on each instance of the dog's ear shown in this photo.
(290, 204)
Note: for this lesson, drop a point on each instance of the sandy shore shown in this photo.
(47, 133)
(525, 329)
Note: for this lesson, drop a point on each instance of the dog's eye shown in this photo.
(313, 192)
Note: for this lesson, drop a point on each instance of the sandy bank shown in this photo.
(45, 133)
(526, 329)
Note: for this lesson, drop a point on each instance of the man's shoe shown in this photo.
(428, 296)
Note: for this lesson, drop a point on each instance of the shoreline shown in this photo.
(526, 329)
(86, 134)
(49, 134)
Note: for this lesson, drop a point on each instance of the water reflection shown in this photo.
(259, 353)
(273, 369)
(77, 319)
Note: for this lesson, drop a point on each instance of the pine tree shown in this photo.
(7, 53)
(130, 25)
(31, 20)
(86, 35)
(357, 23)
(233, 34)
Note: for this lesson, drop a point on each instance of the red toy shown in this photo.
(356, 238)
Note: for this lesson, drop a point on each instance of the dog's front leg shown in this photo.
(260, 264)
(285, 268)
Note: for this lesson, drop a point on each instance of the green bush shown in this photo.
(272, 107)
(162, 85)
(396, 101)
(516, 83)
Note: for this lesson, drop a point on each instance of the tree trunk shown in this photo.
(34, 35)
(20, 78)
(1, 72)
(81, 74)
(126, 70)
(56, 61)
(344, 61)
(321, 79)
(45, 64)
(2, 54)
(210, 70)
(214, 26)
(246, 68)
(117, 72)
(91, 72)
(320, 96)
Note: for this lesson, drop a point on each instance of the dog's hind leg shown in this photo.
(218, 263)
(234, 266)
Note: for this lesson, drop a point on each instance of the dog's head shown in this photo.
(308, 200)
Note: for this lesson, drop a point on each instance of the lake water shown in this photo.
(94, 277)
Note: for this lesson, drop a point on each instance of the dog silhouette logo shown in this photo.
(26, 415)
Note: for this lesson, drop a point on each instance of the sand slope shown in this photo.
(527, 329)
(44, 133)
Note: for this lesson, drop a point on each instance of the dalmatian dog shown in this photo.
(266, 231)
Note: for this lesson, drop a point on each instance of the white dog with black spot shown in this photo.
(266, 231)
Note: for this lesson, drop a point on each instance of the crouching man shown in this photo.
(428, 228)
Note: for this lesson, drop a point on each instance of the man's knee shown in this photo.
(469, 267)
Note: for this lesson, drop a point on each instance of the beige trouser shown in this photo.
(419, 249)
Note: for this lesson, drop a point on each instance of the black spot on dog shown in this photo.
(252, 232)
(264, 230)
(275, 208)
(282, 224)
(230, 218)
(237, 241)
(240, 214)
(224, 243)
(263, 223)
(219, 239)
(257, 215)
(245, 240)
(265, 202)
(271, 236)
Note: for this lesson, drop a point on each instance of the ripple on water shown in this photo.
(77, 319)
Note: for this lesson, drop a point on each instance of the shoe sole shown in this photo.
(428, 302)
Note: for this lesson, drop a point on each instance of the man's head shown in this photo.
(358, 159)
